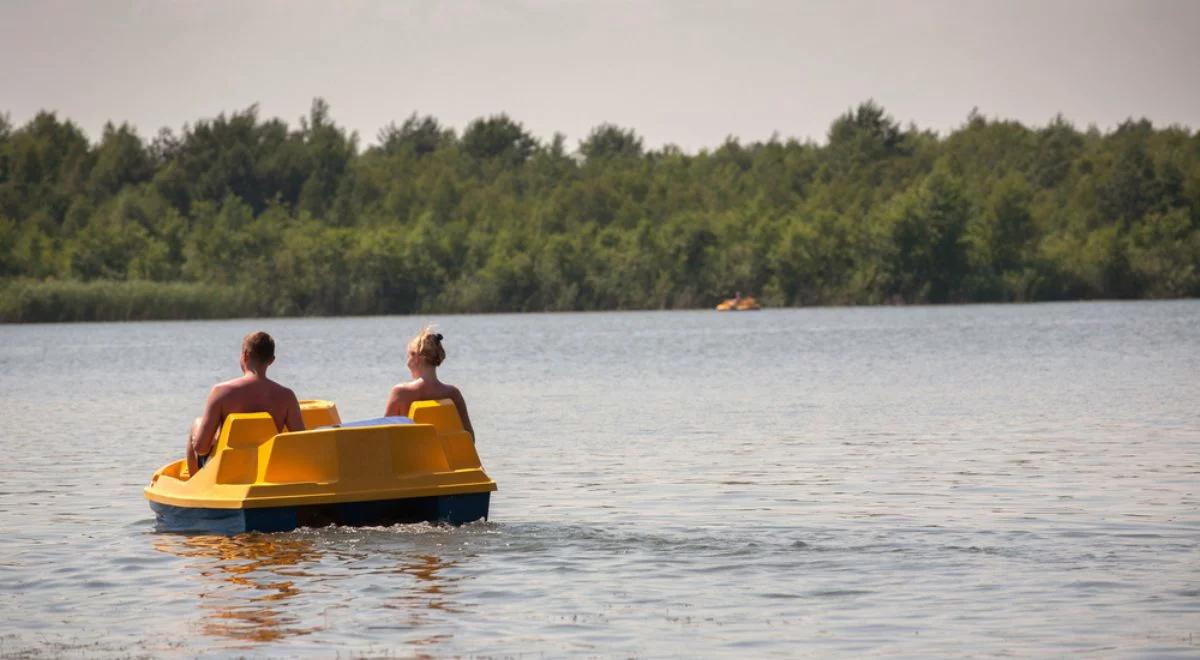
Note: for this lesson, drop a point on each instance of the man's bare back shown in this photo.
(252, 392)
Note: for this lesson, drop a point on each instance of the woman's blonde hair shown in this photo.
(428, 345)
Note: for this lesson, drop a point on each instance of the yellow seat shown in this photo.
(457, 443)
(247, 430)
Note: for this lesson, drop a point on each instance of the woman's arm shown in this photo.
(398, 403)
(461, 404)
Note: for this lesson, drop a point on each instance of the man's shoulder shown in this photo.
(233, 384)
(279, 387)
(283, 391)
(225, 388)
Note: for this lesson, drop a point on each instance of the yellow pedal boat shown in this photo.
(376, 472)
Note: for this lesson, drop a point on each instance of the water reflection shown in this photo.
(242, 595)
(262, 588)
(431, 594)
(422, 600)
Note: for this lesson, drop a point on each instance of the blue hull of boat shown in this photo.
(452, 509)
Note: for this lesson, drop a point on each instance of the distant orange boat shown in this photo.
(739, 304)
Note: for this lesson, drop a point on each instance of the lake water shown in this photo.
(979, 480)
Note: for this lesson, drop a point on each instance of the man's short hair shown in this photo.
(259, 346)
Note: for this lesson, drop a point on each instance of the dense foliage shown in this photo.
(240, 216)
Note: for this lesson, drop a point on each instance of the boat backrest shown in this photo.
(250, 451)
(243, 430)
(443, 416)
(242, 434)
(317, 413)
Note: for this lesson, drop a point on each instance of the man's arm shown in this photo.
(201, 441)
(295, 419)
(209, 422)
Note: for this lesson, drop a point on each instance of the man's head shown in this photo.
(258, 350)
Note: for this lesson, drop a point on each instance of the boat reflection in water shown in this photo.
(256, 589)
(424, 610)
(245, 581)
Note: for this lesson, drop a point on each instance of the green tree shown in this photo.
(121, 160)
(607, 141)
(498, 138)
(268, 218)
(928, 258)
(1164, 255)
(1131, 188)
(1000, 242)
(416, 137)
(330, 151)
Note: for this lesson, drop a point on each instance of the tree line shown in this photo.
(237, 215)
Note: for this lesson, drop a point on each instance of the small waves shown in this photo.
(1003, 480)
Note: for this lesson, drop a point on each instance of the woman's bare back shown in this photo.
(403, 395)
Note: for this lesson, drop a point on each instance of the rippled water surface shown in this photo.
(907, 481)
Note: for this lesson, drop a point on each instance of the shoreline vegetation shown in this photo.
(241, 217)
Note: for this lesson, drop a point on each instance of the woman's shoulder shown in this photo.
(409, 386)
(439, 391)
(452, 393)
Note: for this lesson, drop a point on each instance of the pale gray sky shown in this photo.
(688, 73)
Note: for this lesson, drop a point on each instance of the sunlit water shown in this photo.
(906, 481)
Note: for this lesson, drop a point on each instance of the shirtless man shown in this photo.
(253, 392)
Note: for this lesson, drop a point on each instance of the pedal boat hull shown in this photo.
(450, 509)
